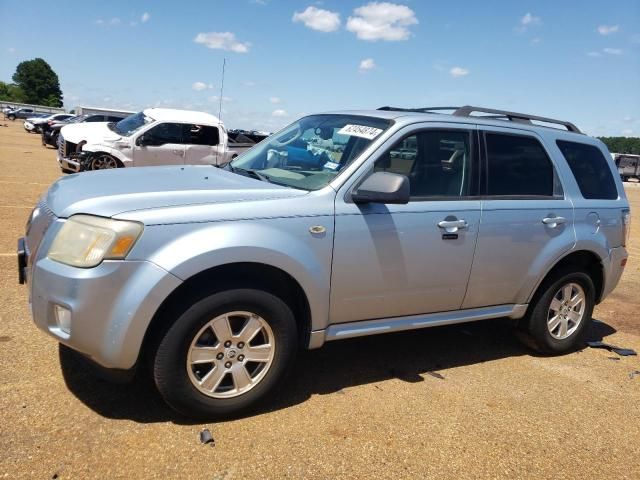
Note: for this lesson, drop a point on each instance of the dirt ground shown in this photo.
(461, 402)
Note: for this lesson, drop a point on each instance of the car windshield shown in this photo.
(311, 152)
(131, 124)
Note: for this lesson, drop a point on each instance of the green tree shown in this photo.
(38, 82)
(10, 92)
(622, 144)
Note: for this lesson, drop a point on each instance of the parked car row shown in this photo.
(51, 130)
(34, 124)
(154, 136)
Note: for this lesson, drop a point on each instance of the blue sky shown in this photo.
(575, 60)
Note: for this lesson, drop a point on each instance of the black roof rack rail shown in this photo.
(468, 110)
(418, 110)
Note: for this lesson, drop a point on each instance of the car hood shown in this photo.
(111, 192)
(90, 132)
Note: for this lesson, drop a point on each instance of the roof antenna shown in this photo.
(224, 64)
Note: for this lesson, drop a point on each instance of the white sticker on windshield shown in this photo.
(331, 165)
(360, 131)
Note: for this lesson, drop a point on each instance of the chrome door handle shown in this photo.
(177, 152)
(553, 222)
(452, 226)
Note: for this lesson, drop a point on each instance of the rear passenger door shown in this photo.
(527, 222)
(202, 143)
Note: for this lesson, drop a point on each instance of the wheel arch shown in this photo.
(224, 277)
(589, 261)
(95, 149)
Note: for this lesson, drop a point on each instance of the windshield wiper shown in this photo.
(249, 172)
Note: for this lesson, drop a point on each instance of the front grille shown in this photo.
(69, 148)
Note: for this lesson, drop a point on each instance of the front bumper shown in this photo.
(110, 306)
(68, 163)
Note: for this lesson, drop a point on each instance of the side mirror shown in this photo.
(383, 187)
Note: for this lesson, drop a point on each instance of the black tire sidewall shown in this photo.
(537, 324)
(169, 368)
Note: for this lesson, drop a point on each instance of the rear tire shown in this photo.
(203, 369)
(560, 313)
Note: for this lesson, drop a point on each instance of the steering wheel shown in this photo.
(296, 135)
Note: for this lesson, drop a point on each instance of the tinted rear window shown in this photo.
(590, 170)
(518, 166)
(201, 135)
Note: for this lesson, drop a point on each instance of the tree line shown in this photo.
(622, 144)
(34, 82)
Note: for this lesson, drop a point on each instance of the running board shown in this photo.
(398, 324)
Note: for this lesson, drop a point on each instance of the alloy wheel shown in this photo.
(231, 354)
(566, 311)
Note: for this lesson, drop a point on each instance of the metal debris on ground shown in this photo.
(635, 373)
(436, 375)
(624, 352)
(206, 437)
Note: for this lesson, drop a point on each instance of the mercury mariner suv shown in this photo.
(340, 225)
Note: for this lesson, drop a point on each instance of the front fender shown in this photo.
(284, 243)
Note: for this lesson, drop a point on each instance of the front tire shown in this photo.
(103, 161)
(225, 353)
(560, 314)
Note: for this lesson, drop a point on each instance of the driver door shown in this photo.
(162, 144)
(398, 260)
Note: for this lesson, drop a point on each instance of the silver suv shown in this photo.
(340, 225)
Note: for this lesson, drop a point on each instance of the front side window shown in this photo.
(590, 169)
(312, 151)
(201, 135)
(518, 165)
(165, 133)
(438, 163)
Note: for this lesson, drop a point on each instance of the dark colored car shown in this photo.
(51, 130)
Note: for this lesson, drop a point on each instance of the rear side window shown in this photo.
(201, 135)
(517, 166)
(590, 169)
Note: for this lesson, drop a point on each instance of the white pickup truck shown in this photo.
(155, 136)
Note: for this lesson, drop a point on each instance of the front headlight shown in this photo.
(85, 241)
